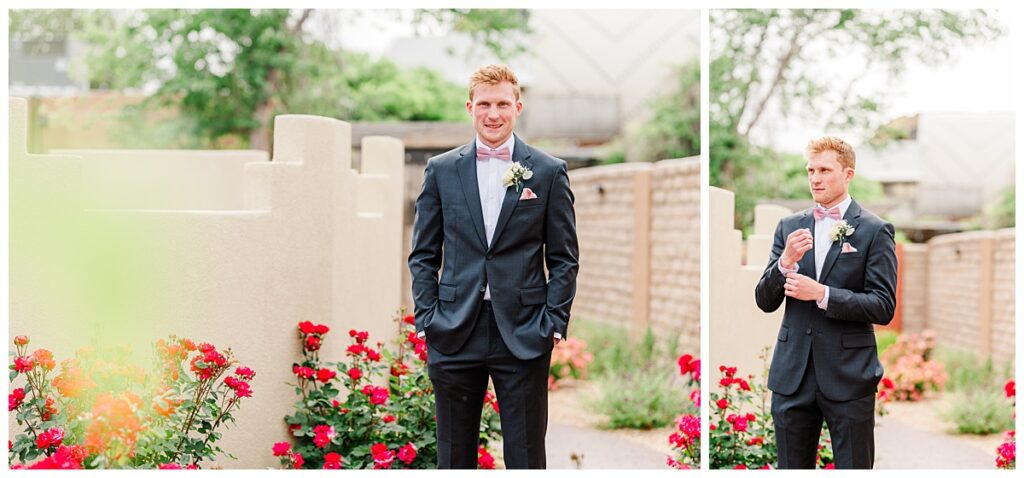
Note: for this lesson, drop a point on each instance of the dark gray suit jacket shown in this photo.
(862, 292)
(528, 307)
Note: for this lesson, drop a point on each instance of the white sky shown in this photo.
(977, 79)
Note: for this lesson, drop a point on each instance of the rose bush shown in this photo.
(371, 426)
(910, 367)
(100, 411)
(685, 441)
(1006, 454)
(569, 359)
(742, 433)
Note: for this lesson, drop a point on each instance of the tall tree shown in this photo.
(782, 63)
(230, 71)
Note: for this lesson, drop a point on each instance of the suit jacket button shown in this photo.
(808, 332)
(483, 289)
(490, 256)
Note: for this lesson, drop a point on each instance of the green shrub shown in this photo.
(968, 372)
(646, 398)
(980, 412)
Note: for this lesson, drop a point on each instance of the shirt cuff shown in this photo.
(823, 303)
(785, 271)
(558, 336)
(421, 334)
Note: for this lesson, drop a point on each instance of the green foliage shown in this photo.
(673, 130)
(766, 62)
(228, 72)
(969, 372)
(608, 343)
(644, 398)
(980, 412)
(637, 386)
(394, 417)
(501, 31)
(1002, 212)
(885, 338)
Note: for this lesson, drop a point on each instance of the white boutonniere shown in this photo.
(516, 174)
(841, 230)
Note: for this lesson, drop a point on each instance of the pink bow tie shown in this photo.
(820, 213)
(500, 153)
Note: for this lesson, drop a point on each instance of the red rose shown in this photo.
(695, 369)
(332, 461)
(1011, 388)
(485, 461)
(303, 372)
(243, 390)
(282, 448)
(740, 424)
(755, 441)
(409, 319)
(722, 403)
(15, 398)
(368, 390)
(312, 343)
(325, 375)
(297, 459)
(355, 349)
(741, 466)
(245, 372)
(407, 453)
(355, 373)
(323, 434)
(362, 336)
(307, 327)
(743, 384)
(321, 329)
(50, 438)
(684, 363)
(372, 355)
(379, 397)
(887, 383)
(24, 364)
(388, 418)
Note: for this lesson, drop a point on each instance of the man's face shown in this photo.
(828, 179)
(494, 109)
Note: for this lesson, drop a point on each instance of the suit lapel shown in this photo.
(466, 165)
(521, 153)
(807, 261)
(852, 213)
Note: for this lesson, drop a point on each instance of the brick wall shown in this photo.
(1003, 296)
(675, 249)
(969, 291)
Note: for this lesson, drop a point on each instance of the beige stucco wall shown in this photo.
(302, 237)
(739, 330)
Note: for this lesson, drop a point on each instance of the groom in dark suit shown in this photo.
(835, 267)
(494, 213)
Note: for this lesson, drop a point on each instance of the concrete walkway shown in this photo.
(901, 445)
(598, 449)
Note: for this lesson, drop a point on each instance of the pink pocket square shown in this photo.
(527, 194)
(848, 248)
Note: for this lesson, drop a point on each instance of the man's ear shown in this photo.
(469, 107)
(850, 173)
(519, 107)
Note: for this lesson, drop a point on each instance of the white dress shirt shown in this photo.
(822, 243)
(492, 192)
